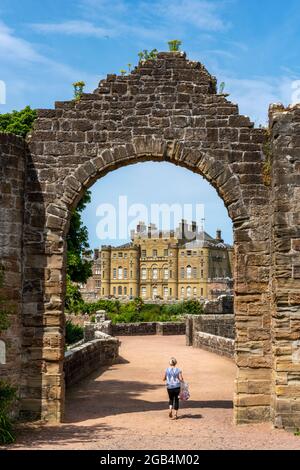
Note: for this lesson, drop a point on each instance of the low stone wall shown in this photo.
(216, 344)
(149, 328)
(217, 325)
(88, 357)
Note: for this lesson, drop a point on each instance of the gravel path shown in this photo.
(125, 406)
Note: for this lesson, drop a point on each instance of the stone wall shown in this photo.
(165, 110)
(285, 177)
(216, 325)
(88, 357)
(149, 328)
(223, 305)
(216, 344)
(12, 180)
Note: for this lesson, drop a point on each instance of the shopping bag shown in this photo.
(184, 391)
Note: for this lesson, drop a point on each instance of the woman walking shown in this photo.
(173, 377)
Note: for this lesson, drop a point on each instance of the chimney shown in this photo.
(219, 236)
(183, 229)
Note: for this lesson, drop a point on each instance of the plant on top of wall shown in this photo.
(78, 90)
(174, 45)
(18, 122)
(148, 55)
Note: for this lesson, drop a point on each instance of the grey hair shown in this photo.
(173, 361)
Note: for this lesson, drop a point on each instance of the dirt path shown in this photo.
(125, 406)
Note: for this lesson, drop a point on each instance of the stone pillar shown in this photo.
(285, 161)
(12, 179)
(106, 270)
(173, 266)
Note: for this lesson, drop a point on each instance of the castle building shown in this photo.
(162, 265)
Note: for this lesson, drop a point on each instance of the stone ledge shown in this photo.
(216, 344)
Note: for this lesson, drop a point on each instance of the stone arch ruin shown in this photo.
(167, 109)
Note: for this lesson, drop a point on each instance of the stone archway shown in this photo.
(167, 109)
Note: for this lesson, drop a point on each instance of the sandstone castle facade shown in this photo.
(183, 264)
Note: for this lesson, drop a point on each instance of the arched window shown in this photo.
(120, 290)
(125, 290)
(120, 272)
(154, 273)
(154, 292)
(182, 273)
(195, 291)
(182, 292)
(188, 292)
(189, 272)
(144, 273)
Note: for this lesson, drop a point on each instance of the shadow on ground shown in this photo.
(93, 399)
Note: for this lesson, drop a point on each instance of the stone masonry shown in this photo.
(166, 110)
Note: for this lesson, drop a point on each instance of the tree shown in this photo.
(18, 122)
(79, 267)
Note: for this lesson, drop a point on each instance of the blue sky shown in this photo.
(252, 45)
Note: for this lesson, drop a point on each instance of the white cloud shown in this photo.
(79, 28)
(203, 14)
(14, 48)
(254, 96)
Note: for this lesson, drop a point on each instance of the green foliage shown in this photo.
(174, 45)
(192, 307)
(222, 88)
(297, 432)
(18, 122)
(123, 72)
(79, 268)
(138, 304)
(73, 301)
(148, 55)
(7, 398)
(74, 333)
(78, 90)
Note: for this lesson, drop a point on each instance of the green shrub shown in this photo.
(192, 307)
(18, 122)
(7, 398)
(74, 333)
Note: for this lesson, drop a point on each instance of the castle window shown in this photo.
(166, 292)
(154, 292)
(120, 272)
(115, 273)
(182, 273)
(114, 255)
(188, 292)
(195, 273)
(144, 273)
(125, 273)
(144, 254)
(166, 252)
(154, 273)
(125, 290)
(195, 291)
(154, 253)
(189, 253)
(98, 284)
(120, 290)
(120, 254)
(166, 273)
(182, 292)
(114, 290)
(125, 255)
(189, 272)
(144, 291)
